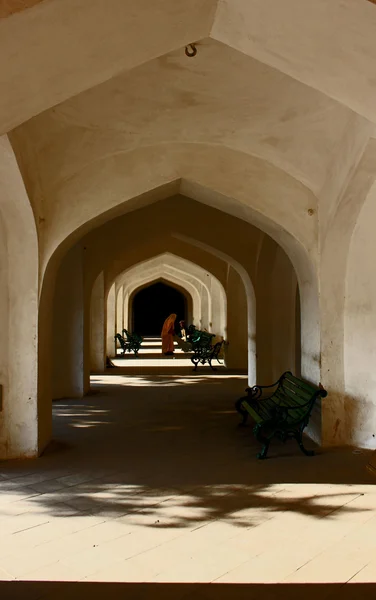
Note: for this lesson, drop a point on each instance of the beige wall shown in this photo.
(4, 347)
(97, 326)
(110, 321)
(237, 322)
(68, 328)
(19, 298)
(276, 298)
(360, 325)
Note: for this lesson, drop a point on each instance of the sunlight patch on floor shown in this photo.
(158, 380)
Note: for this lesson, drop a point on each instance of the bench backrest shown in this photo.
(132, 336)
(298, 395)
(122, 341)
(202, 338)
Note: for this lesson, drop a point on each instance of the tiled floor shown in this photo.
(149, 483)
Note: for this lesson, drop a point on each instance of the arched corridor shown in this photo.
(215, 160)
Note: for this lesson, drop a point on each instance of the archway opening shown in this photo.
(153, 304)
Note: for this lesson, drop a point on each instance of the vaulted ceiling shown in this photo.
(103, 91)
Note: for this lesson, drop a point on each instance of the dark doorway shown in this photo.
(152, 305)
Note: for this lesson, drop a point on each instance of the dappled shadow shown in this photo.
(166, 452)
(155, 380)
(149, 505)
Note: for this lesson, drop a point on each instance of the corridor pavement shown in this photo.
(150, 483)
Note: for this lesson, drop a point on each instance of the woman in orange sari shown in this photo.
(167, 335)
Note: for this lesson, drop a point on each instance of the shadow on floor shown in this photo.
(167, 452)
(179, 591)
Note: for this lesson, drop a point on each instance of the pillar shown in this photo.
(68, 328)
(110, 322)
(97, 326)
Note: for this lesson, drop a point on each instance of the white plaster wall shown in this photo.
(335, 244)
(278, 204)
(237, 350)
(119, 309)
(298, 134)
(265, 30)
(276, 286)
(283, 286)
(19, 425)
(111, 322)
(96, 36)
(4, 346)
(68, 328)
(97, 326)
(360, 330)
(328, 45)
(218, 308)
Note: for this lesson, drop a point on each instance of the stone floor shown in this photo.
(150, 490)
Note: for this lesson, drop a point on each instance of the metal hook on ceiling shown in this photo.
(190, 50)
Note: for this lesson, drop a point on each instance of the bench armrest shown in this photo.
(255, 392)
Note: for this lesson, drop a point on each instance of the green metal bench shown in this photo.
(132, 343)
(206, 354)
(199, 339)
(283, 413)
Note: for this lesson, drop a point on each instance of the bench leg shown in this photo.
(243, 413)
(211, 366)
(299, 438)
(264, 440)
(195, 364)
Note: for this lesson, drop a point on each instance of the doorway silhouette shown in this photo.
(153, 304)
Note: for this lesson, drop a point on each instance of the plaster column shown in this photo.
(119, 310)
(283, 287)
(111, 322)
(205, 307)
(19, 419)
(218, 307)
(360, 330)
(276, 314)
(237, 322)
(68, 328)
(127, 322)
(97, 326)
(4, 319)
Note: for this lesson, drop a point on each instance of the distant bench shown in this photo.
(129, 342)
(283, 413)
(199, 339)
(206, 354)
(202, 348)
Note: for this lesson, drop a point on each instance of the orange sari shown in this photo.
(167, 335)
